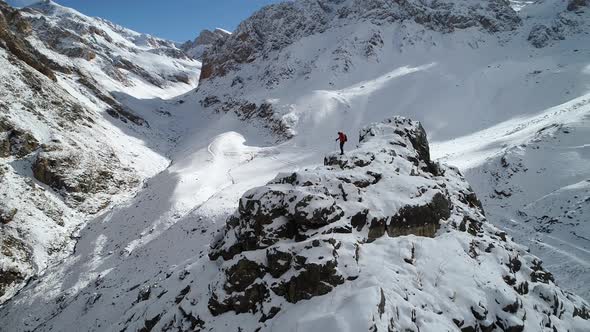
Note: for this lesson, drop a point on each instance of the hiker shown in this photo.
(342, 137)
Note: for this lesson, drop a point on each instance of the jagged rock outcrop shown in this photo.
(7, 215)
(197, 48)
(568, 21)
(15, 141)
(86, 180)
(574, 5)
(13, 30)
(302, 236)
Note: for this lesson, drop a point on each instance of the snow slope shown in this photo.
(460, 85)
(120, 59)
(145, 264)
(532, 176)
(481, 95)
(70, 149)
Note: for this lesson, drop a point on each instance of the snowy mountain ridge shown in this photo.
(306, 234)
(345, 73)
(320, 250)
(197, 48)
(104, 51)
(182, 250)
(68, 147)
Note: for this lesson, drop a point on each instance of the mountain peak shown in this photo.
(204, 41)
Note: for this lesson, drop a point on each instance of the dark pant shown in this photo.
(341, 147)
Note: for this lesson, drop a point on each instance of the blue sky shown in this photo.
(179, 20)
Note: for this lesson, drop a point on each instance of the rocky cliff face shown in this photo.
(304, 235)
(52, 169)
(13, 31)
(566, 19)
(284, 43)
(275, 27)
(206, 39)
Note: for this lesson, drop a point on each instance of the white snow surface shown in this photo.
(482, 98)
(161, 59)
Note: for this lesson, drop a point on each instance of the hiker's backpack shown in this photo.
(345, 138)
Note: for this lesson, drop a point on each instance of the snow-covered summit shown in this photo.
(197, 48)
(124, 60)
(304, 69)
(381, 238)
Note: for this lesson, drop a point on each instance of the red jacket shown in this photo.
(342, 137)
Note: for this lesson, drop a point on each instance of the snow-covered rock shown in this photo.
(304, 71)
(557, 20)
(534, 183)
(301, 40)
(69, 148)
(129, 61)
(381, 238)
(482, 94)
(275, 27)
(197, 48)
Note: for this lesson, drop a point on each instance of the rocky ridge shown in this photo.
(567, 19)
(68, 36)
(277, 26)
(304, 234)
(263, 52)
(197, 47)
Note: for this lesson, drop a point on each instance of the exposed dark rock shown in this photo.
(15, 141)
(116, 110)
(359, 220)
(420, 220)
(182, 294)
(7, 215)
(206, 39)
(4, 145)
(271, 314)
(377, 228)
(79, 175)
(9, 278)
(313, 280)
(539, 274)
(137, 70)
(574, 5)
(11, 248)
(247, 110)
(278, 262)
(144, 294)
(52, 171)
(541, 35)
(471, 226)
(248, 301)
(194, 323)
(13, 30)
(149, 324)
(79, 52)
(242, 274)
